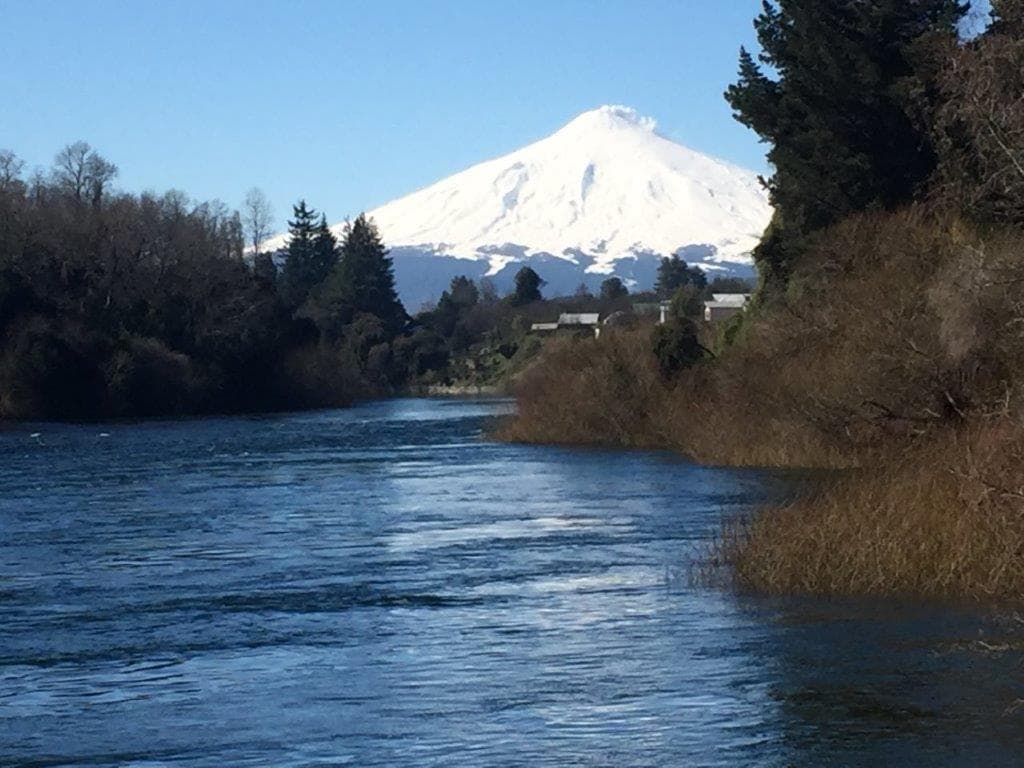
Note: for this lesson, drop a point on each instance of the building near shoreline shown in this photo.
(724, 306)
(571, 322)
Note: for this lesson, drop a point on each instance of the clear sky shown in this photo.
(351, 104)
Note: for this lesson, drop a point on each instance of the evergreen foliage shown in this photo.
(121, 305)
(676, 346)
(613, 289)
(362, 282)
(310, 255)
(527, 287)
(833, 93)
(673, 274)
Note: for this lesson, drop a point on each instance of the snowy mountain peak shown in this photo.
(609, 117)
(604, 195)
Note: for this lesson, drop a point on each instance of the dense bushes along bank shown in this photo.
(909, 373)
(888, 336)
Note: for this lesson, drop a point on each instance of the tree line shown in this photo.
(115, 304)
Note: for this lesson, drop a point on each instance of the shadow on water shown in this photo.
(383, 586)
(893, 684)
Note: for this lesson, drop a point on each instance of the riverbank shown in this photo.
(894, 354)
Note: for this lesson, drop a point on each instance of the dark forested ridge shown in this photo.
(121, 305)
(113, 304)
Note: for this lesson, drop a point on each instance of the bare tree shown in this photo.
(82, 172)
(99, 173)
(1008, 17)
(258, 218)
(980, 129)
(69, 167)
(10, 169)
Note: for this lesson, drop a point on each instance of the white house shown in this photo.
(570, 321)
(725, 305)
(587, 319)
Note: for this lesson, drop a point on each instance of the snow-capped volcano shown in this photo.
(606, 194)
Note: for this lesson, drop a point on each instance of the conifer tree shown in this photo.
(673, 274)
(836, 111)
(325, 252)
(301, 271)
(527, 290)
(362, 282)
(613, 289)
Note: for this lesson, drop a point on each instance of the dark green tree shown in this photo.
(325, 251)
(309, 257)
(463, 292)
(264, 270)
(527, 287)
(673, 274)
(453, 305)
(676, 346)
(613, 289)
(837, 110)
(362, 282)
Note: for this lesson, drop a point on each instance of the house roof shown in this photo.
(579, 319)
(735, 299)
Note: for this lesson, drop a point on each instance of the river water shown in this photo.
(383, 586)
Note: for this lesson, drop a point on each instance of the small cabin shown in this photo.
(566, 320)
(571, 321)
(724, 306)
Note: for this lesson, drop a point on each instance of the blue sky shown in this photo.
(351, 104)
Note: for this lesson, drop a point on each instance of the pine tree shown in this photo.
(301, 272)
(325, 252)
(361, 283)
(527, 290)
(613, 289)
(461, 296)
(837, 115)
(673, 274)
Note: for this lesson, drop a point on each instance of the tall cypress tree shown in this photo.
(835, 110)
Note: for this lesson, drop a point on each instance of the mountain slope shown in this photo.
(604, 195)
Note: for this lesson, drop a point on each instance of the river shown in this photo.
(384, 586)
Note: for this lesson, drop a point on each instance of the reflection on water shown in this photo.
(384, 587)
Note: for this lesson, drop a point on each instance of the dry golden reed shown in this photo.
(897, 354)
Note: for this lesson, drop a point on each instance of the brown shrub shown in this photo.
(596, 391)
(897, 353)
(944, 520)
(979, 131)
(894, 325)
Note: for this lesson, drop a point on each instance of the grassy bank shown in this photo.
(897, 353)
